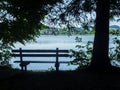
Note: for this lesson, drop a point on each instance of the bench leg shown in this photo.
(25, 67)
(57, 66)
(22, 68)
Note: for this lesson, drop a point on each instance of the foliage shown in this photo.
(5, 55)
(82, 56)
(66, 31)
(73, 13)
(51, 69)
(115, 50)
(20, 21)
(114, 32)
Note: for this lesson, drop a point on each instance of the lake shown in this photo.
(52, 42)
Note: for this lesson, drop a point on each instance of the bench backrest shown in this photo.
(40, 53)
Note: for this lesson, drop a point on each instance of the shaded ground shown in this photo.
(63, 80)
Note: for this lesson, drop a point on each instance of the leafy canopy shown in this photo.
(20, 20)
(79, 12)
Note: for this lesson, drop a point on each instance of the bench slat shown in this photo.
(40, 55)
(42, 61)
(41, 51)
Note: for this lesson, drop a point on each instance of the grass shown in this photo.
(63, 80)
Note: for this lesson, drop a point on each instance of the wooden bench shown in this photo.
(39, 53)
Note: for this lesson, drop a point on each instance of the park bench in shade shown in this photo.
(39, 53)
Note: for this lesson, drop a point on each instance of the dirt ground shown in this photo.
(63, 80)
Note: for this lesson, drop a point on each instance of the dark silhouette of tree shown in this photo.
(100, 59)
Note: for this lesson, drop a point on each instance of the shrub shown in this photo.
(82, 56)
(5, 55)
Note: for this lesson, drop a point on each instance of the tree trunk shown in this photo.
(100, 59)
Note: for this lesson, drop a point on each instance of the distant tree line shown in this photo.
(75, 31)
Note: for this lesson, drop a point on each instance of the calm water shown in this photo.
(51, 42)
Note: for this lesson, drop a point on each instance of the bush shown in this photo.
(82, 56)
(115, 52)
(5, 55)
